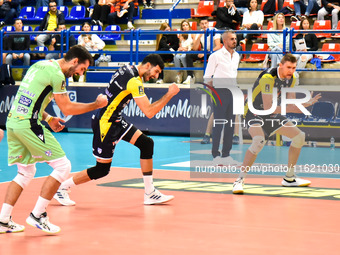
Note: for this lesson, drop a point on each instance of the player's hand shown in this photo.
(173, 89)
(313, 100)
(55, 124)
(101, 101)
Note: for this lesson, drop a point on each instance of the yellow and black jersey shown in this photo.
(124, 85)
(265, 83)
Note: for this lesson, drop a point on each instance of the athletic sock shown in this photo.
(290, 175)
(40, 207)
(148, 184)
(6, 212)
(69, 183)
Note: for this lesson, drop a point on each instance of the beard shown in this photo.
(146, 76)
(70, 71)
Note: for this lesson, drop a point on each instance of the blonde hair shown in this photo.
(275, 21)
(164, 26)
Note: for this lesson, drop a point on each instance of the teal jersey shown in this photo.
(41, 81)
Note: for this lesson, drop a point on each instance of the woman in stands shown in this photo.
(166, 42)
(252, 20)
(101, 12)
(185, 44)
(275, 40)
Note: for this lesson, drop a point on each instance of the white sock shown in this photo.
(148, 184)
(69, 183)
(6, 212)
(290, 175)
(40, 206)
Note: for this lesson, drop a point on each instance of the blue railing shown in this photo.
(135, 53)
(171, 10)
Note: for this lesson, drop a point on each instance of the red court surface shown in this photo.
(113, 220)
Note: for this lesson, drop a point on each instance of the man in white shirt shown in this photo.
(221, 71)
(199, 41)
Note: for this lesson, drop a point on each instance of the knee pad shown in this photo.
(298, 140)
(145, 144)
(61, 169)
(25, 175)
(99, 171)
(257, 144)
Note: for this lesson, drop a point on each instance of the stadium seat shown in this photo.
(337, 35)
(76, 28)
(97, 28)
(41, 49)
(77, 12)
(322, 114)
(298, 117)
(257, 57)
(331, 47)
(336, 120)
(288, 3)
(269, 26)
(322, 25)
(41, 12)
(27, 13)
(263, 4)
(193, 25)
(111, 37)
(222, 3)
(63, 9)
(9, 28)
(28, 29)
(205, 8)
(296, 26)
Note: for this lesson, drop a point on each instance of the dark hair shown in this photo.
(204, 18)
(79, 52)
(302, 20)
(85, 23)
(16, 20)
(288, 58)
(248, 4)
(154, 60)
(52, 1)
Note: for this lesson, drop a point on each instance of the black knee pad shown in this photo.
(145, 144)
(99, 171)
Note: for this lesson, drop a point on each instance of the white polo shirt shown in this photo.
(222, 66)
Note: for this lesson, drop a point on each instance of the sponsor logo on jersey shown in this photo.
(22, 110)
(99, 150)
(15, 157)
(41, 137)
(34, 156)
(118, 85)
(63, 85)
(267, 88)
(24, 91)
(25, 101)
(141, 90)
(48, 153)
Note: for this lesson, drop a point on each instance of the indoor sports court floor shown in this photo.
(204, 218)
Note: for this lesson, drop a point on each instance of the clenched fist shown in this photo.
(101, 101)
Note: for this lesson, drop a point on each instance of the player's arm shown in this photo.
(74, 108)
(151, 110)
(295, 109)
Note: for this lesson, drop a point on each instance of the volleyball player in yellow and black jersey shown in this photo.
(279, 77)
(109, 127)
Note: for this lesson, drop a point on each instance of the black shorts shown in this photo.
(117, 131)
(269, 123)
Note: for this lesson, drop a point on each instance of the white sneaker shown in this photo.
(188, 80)
(121, 14)
(129, 25)
(238, 186)
(159, 81)
(63, 198)
(178, 79)
(156, 197)
(11, 227)
(42, 223)
(297, 182)
(226, 161)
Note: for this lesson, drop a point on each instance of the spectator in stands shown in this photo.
(199, 43)
(149, 5)
(307, 7)
(275, 40)
(40, 3)
(52, 19)
(56, 43)
(166, 42)
(101, 12)
(252, 20)
(122, 8)
(241, 6)
(18, 42)
(185, 44)
(8, 11)
(86, 3)
(311, 43)
(329, 8)
(227, 17)
(270, 6)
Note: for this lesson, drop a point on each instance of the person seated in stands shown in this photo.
(166, 42)
(252, 20)
(307, 7)
(101, 12)
(18, 42)
(148, 4)
(275, 40)
(56, 43)
(123, 8)
(91, 42)
(40, 3)
(8, 12)
(185, 45)
(241, 6)
(52, 19)
(227, 17)
(311, 42)
(86, 3)
(198, 44)
(270, 6)
(329, 8)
